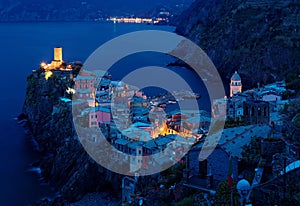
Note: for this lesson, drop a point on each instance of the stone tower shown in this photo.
(235, 84)
(58, 60)
(58, 54)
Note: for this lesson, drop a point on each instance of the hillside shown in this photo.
(259, 38)
(83, 10)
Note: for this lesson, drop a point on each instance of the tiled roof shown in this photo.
(236, 77)
(80, 77)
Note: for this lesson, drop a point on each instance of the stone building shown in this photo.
(215, 166)
(58, 60)
(235, 109)
(256, 112)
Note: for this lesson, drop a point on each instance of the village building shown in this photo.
(256, 112)
(58, 66)
(219, 107)
(99, 115)
(215, 166)
(84, 82)
(211, 171)
(235, 109)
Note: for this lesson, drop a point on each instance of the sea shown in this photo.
(23, 47)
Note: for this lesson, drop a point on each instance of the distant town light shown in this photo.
(130, 20)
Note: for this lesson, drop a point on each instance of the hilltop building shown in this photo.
(57, 62)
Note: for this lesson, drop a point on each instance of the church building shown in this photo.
(235, 84)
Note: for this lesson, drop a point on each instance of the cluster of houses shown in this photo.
(253, 106)
(259, 110)
(135, 126)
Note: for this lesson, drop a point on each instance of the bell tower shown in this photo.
(235, 84)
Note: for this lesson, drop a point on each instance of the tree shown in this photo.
(225, 195)
(251, 153)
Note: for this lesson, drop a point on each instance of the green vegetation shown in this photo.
(296, 121)
(252, 152)
(293, 81)
(225, 195)
(188, 201)
(173, 175)
(32, 83)
(291, 109)
(253, 36)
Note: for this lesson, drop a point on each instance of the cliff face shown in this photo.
(65, 164)
(260, 39)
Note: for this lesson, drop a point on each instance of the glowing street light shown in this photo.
(43, 65)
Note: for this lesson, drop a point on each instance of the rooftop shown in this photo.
(236, 77)
(162, 141)
(233, 139)
(99, 73)
(256, 102)
(134, 133)
(66, 100)
(103, 109)
(135, 145)
(150, 144)
(122, 141)
(84, 91)
(80, 77)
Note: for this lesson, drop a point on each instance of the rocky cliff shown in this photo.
(259, 38)
(65, 164)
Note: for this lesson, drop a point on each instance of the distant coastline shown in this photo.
(81, 21)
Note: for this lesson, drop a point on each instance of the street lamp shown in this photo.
(243, 188)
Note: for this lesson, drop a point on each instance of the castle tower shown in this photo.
(235, 84)
(58, 54)
(56, 63)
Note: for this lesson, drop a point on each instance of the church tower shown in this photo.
(235, 84)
